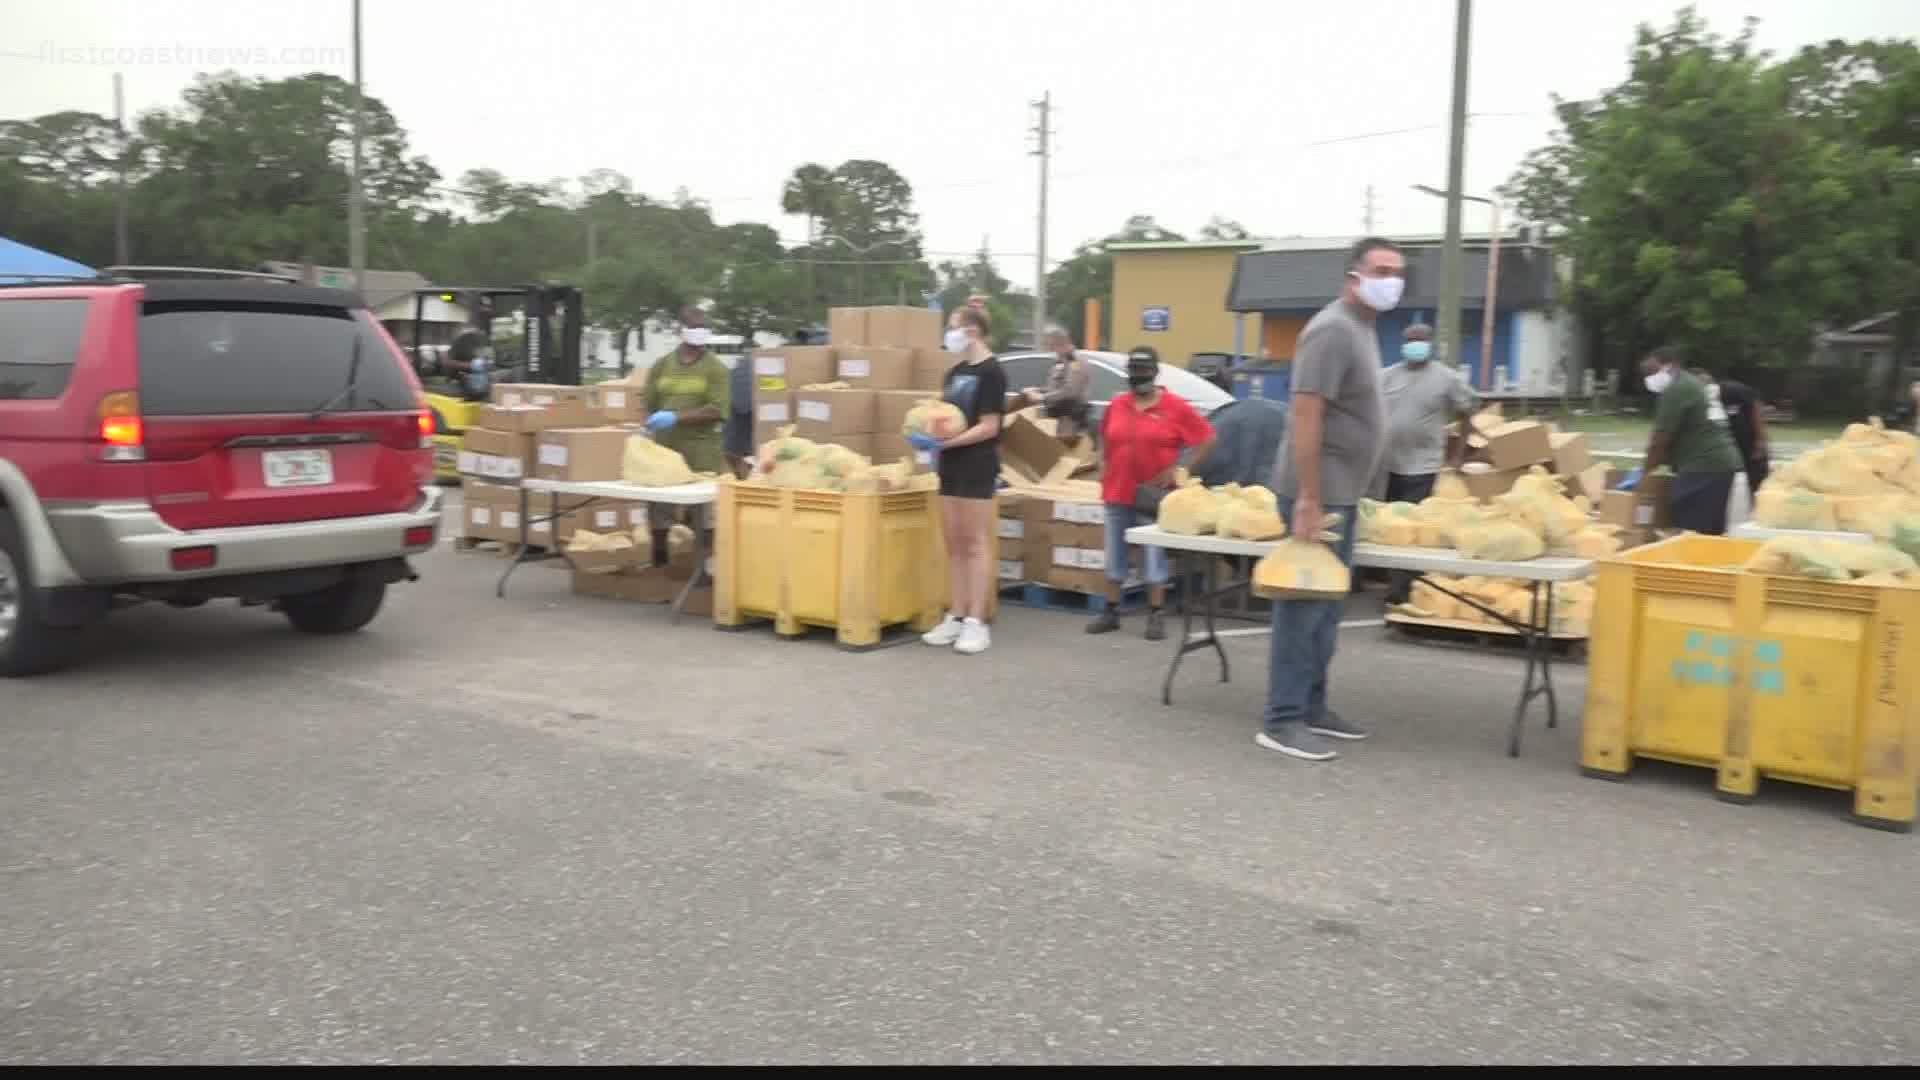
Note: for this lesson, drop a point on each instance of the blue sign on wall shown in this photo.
(1156, 318)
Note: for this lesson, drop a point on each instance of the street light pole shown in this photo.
(1489, 298)
(356, 196)
(1450, 271)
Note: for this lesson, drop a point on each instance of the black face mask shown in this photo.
(1140, 380)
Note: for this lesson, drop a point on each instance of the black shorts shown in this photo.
(1697, 502)
(972, 472)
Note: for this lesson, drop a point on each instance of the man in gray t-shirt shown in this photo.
(1422, 399)
(1336, 436)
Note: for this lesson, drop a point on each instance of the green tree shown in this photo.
(1698, 209)
(1219, 228)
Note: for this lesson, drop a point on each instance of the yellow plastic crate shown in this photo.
(1812, 682)
(854, 563)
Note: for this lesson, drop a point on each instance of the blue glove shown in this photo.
(923, 441)
(661, 421)
(1633, 480)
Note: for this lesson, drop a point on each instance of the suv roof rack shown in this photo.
(137, 273)
(27, 280)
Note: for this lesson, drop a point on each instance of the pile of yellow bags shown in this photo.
(1533, 519)
(649, 464)
(1835, 560)
(1231, 511)
(790, 461)
(1866, 481)
(1572, 612)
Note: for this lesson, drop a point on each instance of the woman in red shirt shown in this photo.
(1142, 436)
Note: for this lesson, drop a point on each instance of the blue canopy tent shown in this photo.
(18, 262)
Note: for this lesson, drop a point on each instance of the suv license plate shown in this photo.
(297, 468)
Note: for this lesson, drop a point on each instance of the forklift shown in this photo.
(553, 321)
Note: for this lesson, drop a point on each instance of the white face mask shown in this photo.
(697, 337)
(1381, 294)
(1659, 381)
(957, 340)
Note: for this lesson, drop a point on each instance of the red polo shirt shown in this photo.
(1140, 444)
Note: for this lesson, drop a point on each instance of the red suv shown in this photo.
(184, 439)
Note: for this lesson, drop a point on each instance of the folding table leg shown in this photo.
(519, 556)
(699, 572)
(1537, 639)
(1209, 596)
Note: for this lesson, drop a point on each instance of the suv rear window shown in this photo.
(38, 341)
(212, 359)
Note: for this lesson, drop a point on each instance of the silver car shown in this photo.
(1028, 371)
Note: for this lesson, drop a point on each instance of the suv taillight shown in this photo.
(426, 431)
(121, 432)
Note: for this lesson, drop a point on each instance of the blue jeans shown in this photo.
(1304, 634)
(1119, 520)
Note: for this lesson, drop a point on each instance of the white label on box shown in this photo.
(818, 411)
(553, 454)
(1643, 515)
(606, 519)
(511, 398)
(482, 515)
(509, 519)
(770, 365)
(774, 412)
(853, 367)
(500, 468)
(1067, 557)
(543, 399)
(1012, 528)
(540, 526)
(1090, 559)
(614, 399)
(469, 461)
(923, 457)
(637, 516)
(1080, 513)
(1012, 570)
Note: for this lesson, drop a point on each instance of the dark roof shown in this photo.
(253, 292)
(1291, 280)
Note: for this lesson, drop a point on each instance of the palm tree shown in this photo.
(809, 191)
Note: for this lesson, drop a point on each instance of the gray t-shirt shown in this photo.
(1422, 399)
(1338, 358)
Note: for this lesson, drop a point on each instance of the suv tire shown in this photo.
(338, 609)
(28, 645)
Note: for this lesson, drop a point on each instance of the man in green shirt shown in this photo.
(688, 395)
(1687, 439)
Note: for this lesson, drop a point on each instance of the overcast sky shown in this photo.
(1278, 113)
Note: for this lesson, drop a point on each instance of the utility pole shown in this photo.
(120, 255)
(1043, 129)
(356, 205)
(1366, 218)
(1450, 255)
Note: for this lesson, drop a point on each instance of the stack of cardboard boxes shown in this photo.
(1052, 521)
(883, 361)
(1500, 451)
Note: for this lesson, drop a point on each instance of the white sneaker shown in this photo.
(973, 638)
(945, 634)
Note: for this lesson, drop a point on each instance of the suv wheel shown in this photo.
(28, 646)
(339, 609)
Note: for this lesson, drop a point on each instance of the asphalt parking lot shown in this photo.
(554, 829)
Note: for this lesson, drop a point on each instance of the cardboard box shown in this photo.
(1030, 444)
(930, 367)
(496, 455)
(1013, 571)
(525, 419)
(536, 394)
(648, 585)
(1080, 580)
(1488, 483)
(824, 415)
(776, 371)
(1571, 453)
(1518, 445)
(618, 560)
(1591, 482)
(581, 453)
(1076, 534)
(1646, 507)
(875, 367)
(616, 403)
(771, 412)
(890, 409)
(904, 327)
(846, 326)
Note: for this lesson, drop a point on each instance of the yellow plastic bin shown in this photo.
(1814, 682)
(854, 563)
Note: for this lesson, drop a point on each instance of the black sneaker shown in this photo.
(1156, 626)
(1295, 740)
(1104, 623)
(1334, 726)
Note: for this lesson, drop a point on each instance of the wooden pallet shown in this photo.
(1483, 635)
(1036, 594)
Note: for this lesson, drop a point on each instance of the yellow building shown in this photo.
(1173, 296)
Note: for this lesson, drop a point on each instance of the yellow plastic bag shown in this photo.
(1595, 542)
(1498, 541)
(1780, 507)
(1792, 556)
(649, 464)
(1450, 485)
(1244, 519)
(1190, 510)
(1537, 503)
(940, 419)
(1838, 470)
(1304, 569)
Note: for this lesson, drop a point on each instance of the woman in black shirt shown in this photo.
(969, 468)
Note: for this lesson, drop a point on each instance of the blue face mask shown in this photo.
(1417, 352)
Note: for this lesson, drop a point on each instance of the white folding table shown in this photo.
(696, 494)
(1747, 530)
(1540, 574)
